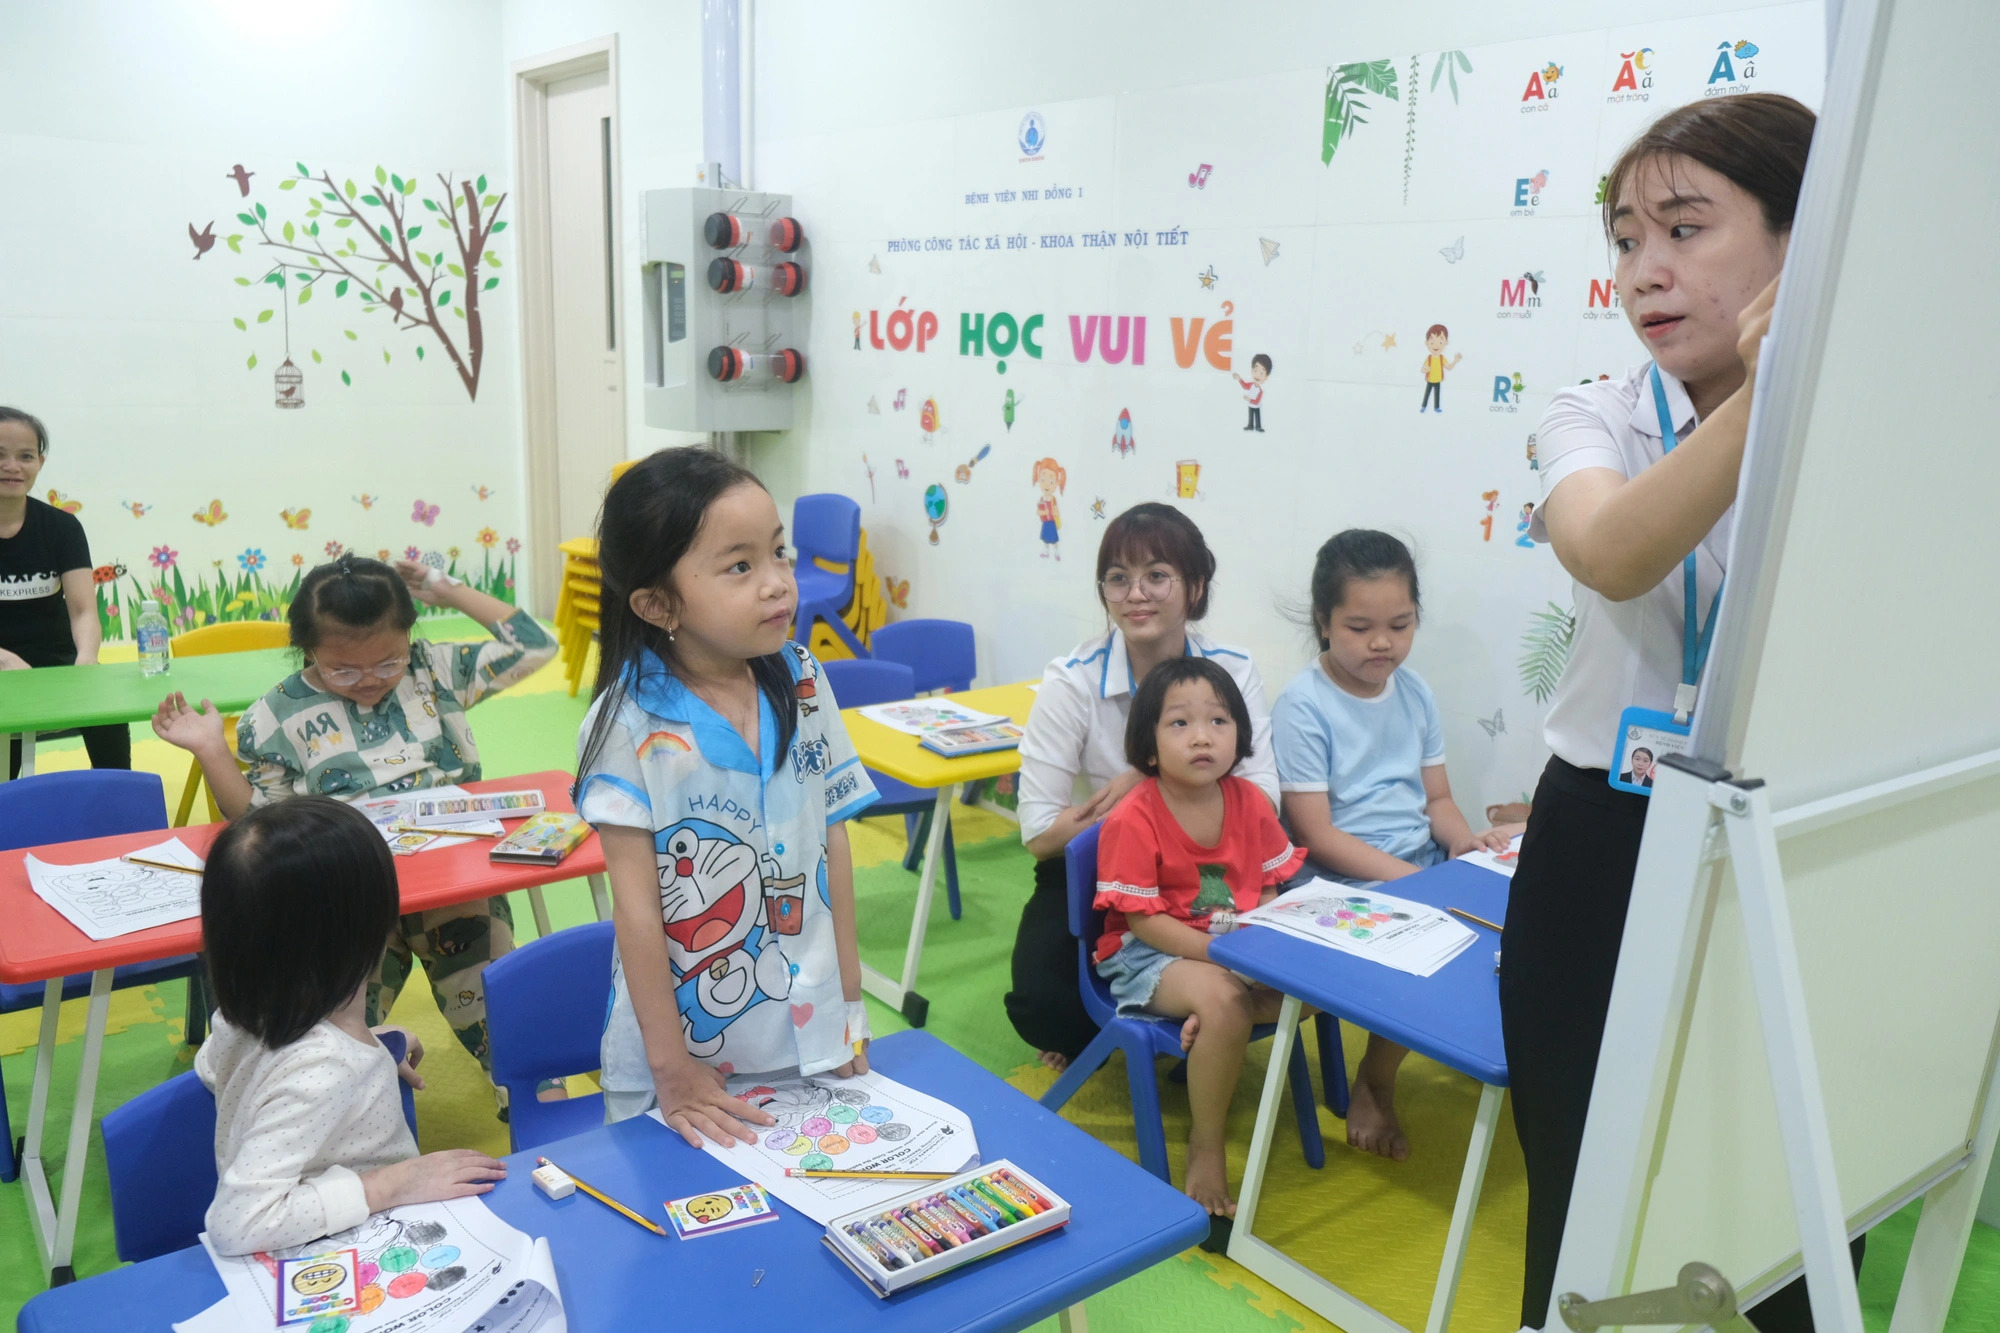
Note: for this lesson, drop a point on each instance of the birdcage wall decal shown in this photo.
(290, 385)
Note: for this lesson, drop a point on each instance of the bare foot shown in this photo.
(1055, 1060)
(1208, 1180)
(1371, 1121)
(1189, 1031)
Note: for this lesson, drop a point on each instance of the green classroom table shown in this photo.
(59, 698)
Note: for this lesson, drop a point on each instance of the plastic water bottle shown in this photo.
(152, 635)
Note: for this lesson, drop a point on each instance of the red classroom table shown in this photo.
(39, 944)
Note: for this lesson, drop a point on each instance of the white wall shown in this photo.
(118, 122)
(882, 119)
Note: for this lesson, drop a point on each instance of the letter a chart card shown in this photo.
(864, 1123)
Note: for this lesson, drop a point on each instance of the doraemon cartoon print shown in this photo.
(719, 937)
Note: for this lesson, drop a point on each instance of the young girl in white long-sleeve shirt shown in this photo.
(309, 1131)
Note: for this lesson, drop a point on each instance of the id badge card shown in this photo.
(1645, 735)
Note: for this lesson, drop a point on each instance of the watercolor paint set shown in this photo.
(944, 1225)
(434, 811)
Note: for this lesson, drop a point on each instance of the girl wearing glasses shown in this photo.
(1153, 577)
(374, 712)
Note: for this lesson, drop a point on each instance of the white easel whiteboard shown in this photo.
(1859, 645)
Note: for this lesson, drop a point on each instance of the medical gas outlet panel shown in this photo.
(726, 308)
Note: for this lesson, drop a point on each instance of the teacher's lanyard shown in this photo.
(1694, 642)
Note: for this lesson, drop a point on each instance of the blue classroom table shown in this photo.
(1452, 1016)
(616, 1276)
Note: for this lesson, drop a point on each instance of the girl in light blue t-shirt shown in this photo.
(1360, 756)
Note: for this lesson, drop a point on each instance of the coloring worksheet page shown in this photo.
(866, 1123)
(450, 1267)
(106, 899)
(1395, 932)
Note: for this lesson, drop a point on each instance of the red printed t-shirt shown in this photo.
(1147, 863)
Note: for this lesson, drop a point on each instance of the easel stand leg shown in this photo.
(1795, 1083)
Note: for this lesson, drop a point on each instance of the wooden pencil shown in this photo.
(445, 832)
(607, 1200)
(1476, 920)
(162, 865)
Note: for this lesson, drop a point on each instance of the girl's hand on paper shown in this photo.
(695, 1101)
(1493, 839)
(858, 1065)
(431, 1178)
(12, 662)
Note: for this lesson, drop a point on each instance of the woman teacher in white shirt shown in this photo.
(1638, 483)
(1154, 576)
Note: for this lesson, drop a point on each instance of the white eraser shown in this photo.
(551, 1181)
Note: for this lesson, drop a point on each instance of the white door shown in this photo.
(589, 380)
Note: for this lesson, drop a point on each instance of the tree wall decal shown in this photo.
(374, 250)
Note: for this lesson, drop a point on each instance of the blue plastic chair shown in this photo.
(943, 656)
(940, 652)
(1144, 1039)
(545, 1009)
(159, 1151)
(858, 684)
(65, 807)
(828, 528)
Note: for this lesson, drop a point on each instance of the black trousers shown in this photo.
(1565, 922)
(1044, 1005)
(108, 747)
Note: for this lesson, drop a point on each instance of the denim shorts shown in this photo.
(1134, 974)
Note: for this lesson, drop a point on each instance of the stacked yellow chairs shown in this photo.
(577, 607)
(576, 602)
(238, 637)
(865, 613)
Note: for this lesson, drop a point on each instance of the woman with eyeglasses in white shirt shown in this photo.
(1154, 576)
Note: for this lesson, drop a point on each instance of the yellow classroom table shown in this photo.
(890, 752)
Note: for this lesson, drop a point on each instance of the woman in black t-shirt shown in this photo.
(48, 603)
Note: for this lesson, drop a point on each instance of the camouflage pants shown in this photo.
(454, 944)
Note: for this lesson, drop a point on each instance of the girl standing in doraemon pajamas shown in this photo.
(717, 772)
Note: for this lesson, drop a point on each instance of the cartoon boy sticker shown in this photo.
(1049, 479)
(1521, 527)
(1253, 390)
(857, 330)
(1436, 339)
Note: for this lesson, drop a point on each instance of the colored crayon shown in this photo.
(881, 1253)
(1016, 1189)
(1014, 1212)
(985, 1212)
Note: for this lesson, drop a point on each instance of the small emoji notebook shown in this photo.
(721, 1210)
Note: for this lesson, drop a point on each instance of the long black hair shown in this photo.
(650, 518)
(312, 871)
(1357, 553)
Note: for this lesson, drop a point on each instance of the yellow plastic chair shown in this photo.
(245, 636)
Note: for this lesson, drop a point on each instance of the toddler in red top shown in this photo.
(1176, 861)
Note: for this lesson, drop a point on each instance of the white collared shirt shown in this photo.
(1075, 741)
(1625, 654)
